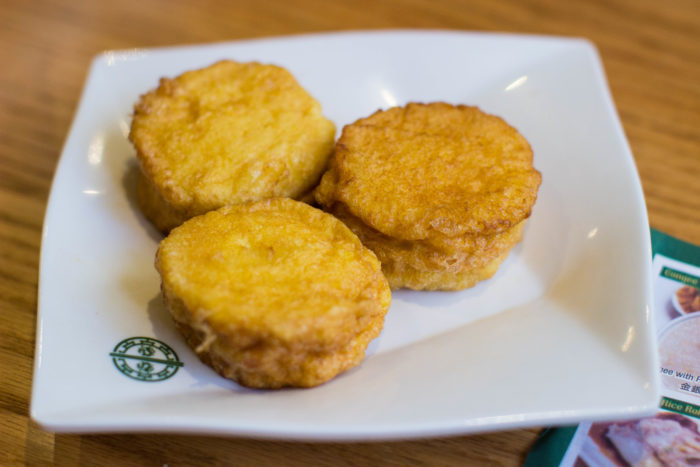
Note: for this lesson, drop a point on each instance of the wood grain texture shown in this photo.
(652, 59)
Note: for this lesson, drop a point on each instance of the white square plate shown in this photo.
(568, 337)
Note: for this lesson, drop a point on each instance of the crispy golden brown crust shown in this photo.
(270, 365)
(462, 255)
(403, 276)
(418, 265)
(162, 214)
(432, 170)
(229, 133)
(274, 293)
(439, 192)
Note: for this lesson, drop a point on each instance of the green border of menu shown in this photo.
(683, 408)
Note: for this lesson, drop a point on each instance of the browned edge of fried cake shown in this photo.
(162, 214)
(260, 356)
(341, 182)
(407, 277)
(168, 202)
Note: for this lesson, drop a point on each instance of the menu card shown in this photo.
(672, 436)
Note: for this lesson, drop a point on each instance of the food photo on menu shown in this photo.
(671, 437)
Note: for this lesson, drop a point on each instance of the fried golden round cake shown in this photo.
(439, 192)
(432, 170)
(274, 293)
(229, 133)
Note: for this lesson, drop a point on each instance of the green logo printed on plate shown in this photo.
(145, 359)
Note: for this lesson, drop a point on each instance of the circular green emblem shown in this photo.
(145, 359)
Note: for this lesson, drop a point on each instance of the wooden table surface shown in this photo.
(651, 52)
